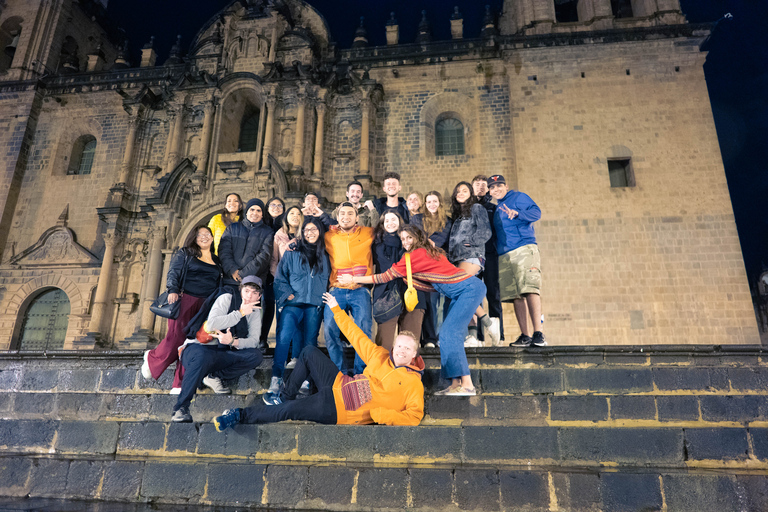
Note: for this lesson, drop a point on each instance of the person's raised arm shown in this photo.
(368, 351)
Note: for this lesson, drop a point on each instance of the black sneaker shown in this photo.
(182, 416)
(522, 341)
(538, 339)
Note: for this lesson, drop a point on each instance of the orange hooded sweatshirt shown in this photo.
(350, 253)
(397, 394)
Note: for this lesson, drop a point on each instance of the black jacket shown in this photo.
(490, 245)
(246, 247)
(385, 254)
(402, 208)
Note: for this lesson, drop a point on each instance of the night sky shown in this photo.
(736, 71)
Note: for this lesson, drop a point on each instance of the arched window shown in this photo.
(249, 133)
(69, 61)
(45, 322)
(83, 152)
(449, 137)
(10, 31)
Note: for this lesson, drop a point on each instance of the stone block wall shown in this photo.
(660, 261)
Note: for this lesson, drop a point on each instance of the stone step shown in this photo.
(598, 446)
(564, 370)
(219, 482)
(536, 410)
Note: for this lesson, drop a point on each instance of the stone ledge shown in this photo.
(223, 483)
(485, 445)
(532, 410)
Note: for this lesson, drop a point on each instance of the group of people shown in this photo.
(306, 267)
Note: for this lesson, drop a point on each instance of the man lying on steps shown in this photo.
(389, 392)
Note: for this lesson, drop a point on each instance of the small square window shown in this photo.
(620, 172)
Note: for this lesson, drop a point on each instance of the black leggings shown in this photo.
(320, 407)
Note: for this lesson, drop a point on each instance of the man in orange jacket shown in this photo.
(349, 249)
(389, 392)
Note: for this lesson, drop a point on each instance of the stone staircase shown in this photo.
(558, 429)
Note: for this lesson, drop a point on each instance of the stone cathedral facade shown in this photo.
(598, 109)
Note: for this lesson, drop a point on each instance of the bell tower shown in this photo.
(558, 16)
(39, 38)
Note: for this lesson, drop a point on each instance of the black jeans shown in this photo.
(268, 303)
(491, 279)
(320, 407)
(218, 360)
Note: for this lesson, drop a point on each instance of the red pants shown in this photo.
(167, 351)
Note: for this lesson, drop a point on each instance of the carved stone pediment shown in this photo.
(57, 246)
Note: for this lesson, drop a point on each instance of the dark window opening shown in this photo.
(449, 137)
(566, 11)
(69, 61)
(622, 8)
(620, 172)
(249, 133)
(10, 33)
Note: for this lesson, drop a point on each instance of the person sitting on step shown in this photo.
(389, 392)
(235, 321)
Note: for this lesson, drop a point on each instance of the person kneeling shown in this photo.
(236, 323)
(389, 392)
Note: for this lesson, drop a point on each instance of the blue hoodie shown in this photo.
(517, 232)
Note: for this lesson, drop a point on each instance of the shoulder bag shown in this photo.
(411, 298)
(161, 307)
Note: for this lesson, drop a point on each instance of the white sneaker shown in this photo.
(274, 385)
(472, 342)
(175, 391)
(304, 389)
(215, 384)
(145, 371)
(493, 331)
(291, 364)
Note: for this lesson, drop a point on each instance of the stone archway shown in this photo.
(45, 321)
(29, 291)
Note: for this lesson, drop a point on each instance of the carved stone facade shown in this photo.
(265, 104)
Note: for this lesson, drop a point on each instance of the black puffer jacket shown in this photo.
(246, 247)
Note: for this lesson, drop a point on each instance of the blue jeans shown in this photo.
(358, 303)
(465, 297)
(291, 318)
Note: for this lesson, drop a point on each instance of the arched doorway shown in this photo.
(45, 322)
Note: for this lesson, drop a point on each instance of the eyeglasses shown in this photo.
(307, 231)
(204, 236)
(275, 206)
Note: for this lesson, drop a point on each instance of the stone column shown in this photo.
(365, 136)
(100, 299)
(319, 130)
(175, 142)
(154, 275)
(205, 138)
(298, 144)
(269, 130)
(125, 168)
(169, 142)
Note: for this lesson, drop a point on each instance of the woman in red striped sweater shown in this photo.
(430, 266)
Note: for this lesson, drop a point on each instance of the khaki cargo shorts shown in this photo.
(520, 272)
